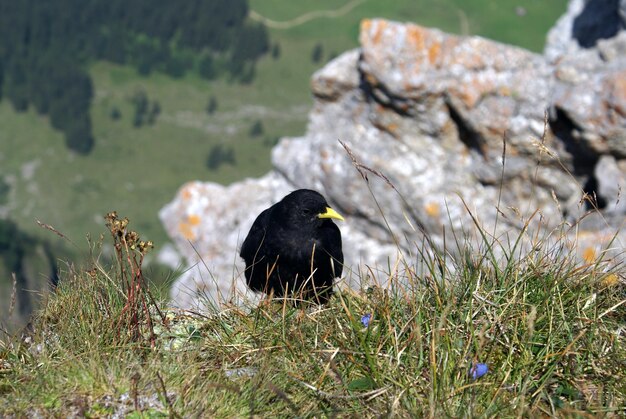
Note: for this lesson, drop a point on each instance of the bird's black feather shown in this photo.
(290, 249)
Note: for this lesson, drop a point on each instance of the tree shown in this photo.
(176, 66)
(113, 46)
(252, 42)
(207, 68)
(317, 53)
(45, 49)
(115, 113)
(155, 111)
(18, 96)
(145, 56)
(211, 107)
(5, 188)
(214, 159)
(17, 84)
(256, 130)
(1, 76)
(69, 111)
(276, 51)
(218, 155)
(140, 101)
(79, 139)
(247, 74)
(14, 244)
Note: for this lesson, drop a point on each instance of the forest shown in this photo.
(46, 48)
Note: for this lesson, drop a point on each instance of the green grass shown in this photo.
(495, 19)
(549, 329)
(135, 171)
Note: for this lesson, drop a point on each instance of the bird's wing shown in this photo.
(254, 240)
(334, 247)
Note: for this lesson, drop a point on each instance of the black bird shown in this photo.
(294, 248)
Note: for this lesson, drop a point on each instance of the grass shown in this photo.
(490, 18)
(549, 329)
(136, 171)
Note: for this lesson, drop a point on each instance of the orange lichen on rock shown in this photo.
(186, 193)
(415, 36)
(186, 230)
(474, 90)
(432, 209)
(469, 58)
(366, 27)
(193, 219)
(434, 52)
(366, 24)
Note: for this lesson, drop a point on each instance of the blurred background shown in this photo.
(111, 105)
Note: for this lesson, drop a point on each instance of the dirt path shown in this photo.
(315, 14)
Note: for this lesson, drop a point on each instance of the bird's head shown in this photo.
(305, 207)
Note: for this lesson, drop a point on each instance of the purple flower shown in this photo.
(365, 319)
(478, 370)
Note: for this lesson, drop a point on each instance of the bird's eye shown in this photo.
(306, 211)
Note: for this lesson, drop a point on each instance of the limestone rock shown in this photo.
(589, 98)
(612, 184)
(208, 222)
(585, 23)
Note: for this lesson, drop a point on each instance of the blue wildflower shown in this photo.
(478, 370)
(365, 319)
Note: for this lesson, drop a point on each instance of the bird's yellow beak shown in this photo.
(330, 213)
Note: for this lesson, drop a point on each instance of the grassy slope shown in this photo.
(135, 171)
(549, 331)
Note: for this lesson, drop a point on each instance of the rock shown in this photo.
(585, 23)
(169, 256)
(485, 88)
(423, 120)
(590, 99)
(559, 41)
(335, 80)
(208, 222)
(611, 184)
